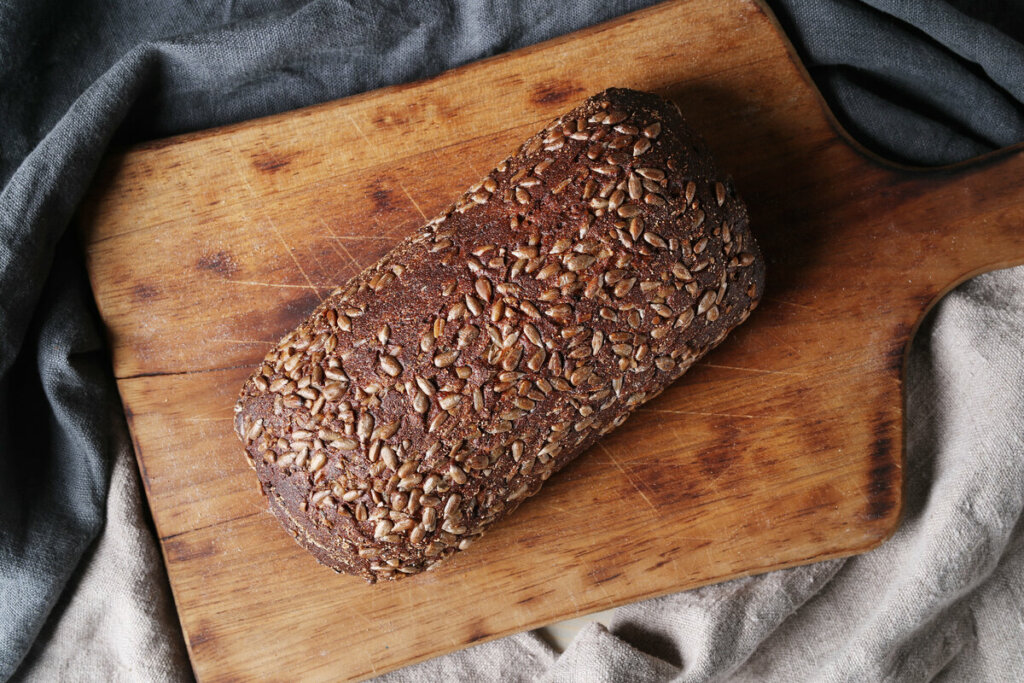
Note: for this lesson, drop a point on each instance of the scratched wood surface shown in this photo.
(783, 447)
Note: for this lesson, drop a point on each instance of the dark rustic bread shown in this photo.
(437, 390)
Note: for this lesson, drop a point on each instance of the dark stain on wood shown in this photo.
(390, 117)
(199, 635)
(714, 462)
(882, 492)
(144, 292)
(477, 632)
(293, 312)
(268, 162)
(601, 575)
(555, 93)
(383, 197)
(219, 262)
(181, 548)
(894, 357)
(897, 348)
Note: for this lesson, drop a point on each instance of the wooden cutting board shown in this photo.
(783, 447)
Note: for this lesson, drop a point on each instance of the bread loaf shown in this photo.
(437, 390)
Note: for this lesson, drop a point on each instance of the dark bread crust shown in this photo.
(441, 387)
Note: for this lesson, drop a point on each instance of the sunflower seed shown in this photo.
(426, 341)
(628, 210)
(681, 272)
(430, 483)
(437, 421)
(580, 375)
(547, 271)
(404, 525)
(641, 146)
(317, 461)
(445, 358)
(665, 363)
(453, 527)
(389, 457)
(448, 401)
(619, 158)
(452, 510)
(652, 131)
(497, 310)
(559, 313)
(477, 462)
(429, 519)
(417, 535)
(636, 189)
(698, 220)
(457, 475)
(622, 288)
(255, 430)
(344, 443)
(619, 141)
(720, 193)
(652, 174)
(655, 240)
(364, 427)
(616, 200)
(691, 190)
(510, 361)
(382, 529)
(560, 384)
(386, 431)
(390, 365)
(292, 363)
(614, 116)
(578, 262)
(473, 304)
(467, 335)
(706, 302)
(483, 288)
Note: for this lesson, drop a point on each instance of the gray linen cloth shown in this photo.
(82, 590)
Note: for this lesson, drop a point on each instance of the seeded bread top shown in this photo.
(439, 388)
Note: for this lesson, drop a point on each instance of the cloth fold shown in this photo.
(82, 591)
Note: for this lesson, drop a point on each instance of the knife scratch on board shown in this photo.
(628, 478)
(355, 263)
(294, 259)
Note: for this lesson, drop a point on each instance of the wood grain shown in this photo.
(783, 447)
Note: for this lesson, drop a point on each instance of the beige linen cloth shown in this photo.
(942, 600)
